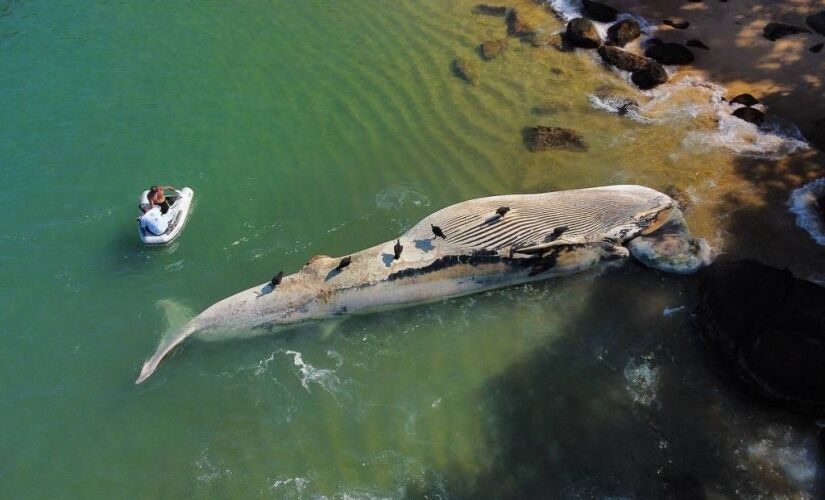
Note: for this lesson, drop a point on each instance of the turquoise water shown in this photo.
(326, 127)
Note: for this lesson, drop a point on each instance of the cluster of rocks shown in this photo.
(747, 111)
(768, 328)
(774, 31)
(646, 71)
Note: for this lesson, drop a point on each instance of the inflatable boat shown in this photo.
(173, 220)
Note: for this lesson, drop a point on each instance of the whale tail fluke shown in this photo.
(176, 319)
(165, 348)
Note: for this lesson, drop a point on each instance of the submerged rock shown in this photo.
(670, 53)
(769, 329)
(775, 31)
(697, 44)
(624, 32)
(650, 76)
(599, 12)
(817, 22)
(493, 48)
(622, 59)
(749, 114)
(541, 138)
(581, 33)
(466, 70)
(745, 100)
(490, 10)
(517, 25)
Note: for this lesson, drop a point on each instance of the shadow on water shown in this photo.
(626, 403)
(764, 229)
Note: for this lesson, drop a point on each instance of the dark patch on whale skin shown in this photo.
(474, 259)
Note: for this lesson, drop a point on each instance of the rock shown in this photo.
(622, 59)
(680, 196)
(817, 138)
(816, 49)
(745, 100)
(769, 329)
(624, 31)
(599, 11)
(650, 76)
(490, 10)
(749, 114)
(466, 70)
(775, 31)
(696, 44)
(517, 25)
(817, 22)
(541, 138)
(679, 24)
(670, 53)
(581, 33)
(493, 48)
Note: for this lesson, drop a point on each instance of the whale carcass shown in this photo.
(540, 236)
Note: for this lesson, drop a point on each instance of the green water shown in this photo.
(326, 127)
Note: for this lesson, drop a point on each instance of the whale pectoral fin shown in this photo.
(330, 326)
(163, 349)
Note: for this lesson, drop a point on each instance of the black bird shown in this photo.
(438, 232)
(276, 280)
(556, 233)
(398, 248)
(502, 210)
(344, 263)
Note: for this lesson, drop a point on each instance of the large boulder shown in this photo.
(650, 76)
(493, 48)
(581, 33)
(817, 22)
(775, 31)
(749, 114)
(745, 100)
(541, 138)
(599, 12)
(624, 32)
(670, 53)
(769, 329)
(622, 59)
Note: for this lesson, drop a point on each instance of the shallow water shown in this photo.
(321, 127)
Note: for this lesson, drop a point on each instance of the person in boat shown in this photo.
(157, 198)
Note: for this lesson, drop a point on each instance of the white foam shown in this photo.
(324, 377)
(400, 196)
(809, 215)
(290, 487)
(642, 381)
(780, 451)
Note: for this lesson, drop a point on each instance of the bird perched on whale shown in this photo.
(397, 249)
(438, 232)
(276, 280)
(502, 210)
(344, 263)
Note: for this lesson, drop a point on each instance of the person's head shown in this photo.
(153, 189)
